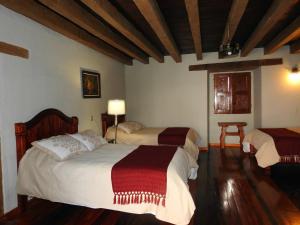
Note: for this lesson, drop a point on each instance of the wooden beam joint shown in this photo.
(150, 10)
(295, 47)
(275, 13)
(75, 13)
(50, 19)
(192, 9)
(291, 32)
(111, 15)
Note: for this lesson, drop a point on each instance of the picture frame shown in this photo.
(90, 84)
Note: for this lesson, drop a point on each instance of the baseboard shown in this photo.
(217, 145)
(11, 214)
(203, 149)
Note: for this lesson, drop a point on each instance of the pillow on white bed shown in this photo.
(130, 126)
(60, 147)
(89, 139)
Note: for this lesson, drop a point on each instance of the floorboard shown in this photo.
(230, 190)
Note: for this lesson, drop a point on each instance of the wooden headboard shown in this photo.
(109, 120)
(49, 122)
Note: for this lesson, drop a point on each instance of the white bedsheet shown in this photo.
(85, 180)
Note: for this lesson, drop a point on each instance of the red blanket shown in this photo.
(287, 142)
(173, 136)
(141, 176)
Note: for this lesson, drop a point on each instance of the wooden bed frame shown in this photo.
(49, 122)
(109, 120)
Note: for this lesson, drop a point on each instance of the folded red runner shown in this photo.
(141, 176)
(287, 142)
(173, 136)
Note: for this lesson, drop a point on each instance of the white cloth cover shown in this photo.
(85, 180)
(90, 139)
(60, 147)
(130, 126)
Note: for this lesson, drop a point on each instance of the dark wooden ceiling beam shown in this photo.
(275, 13)
(290, 33)
(153, 15)
(13, 50)
(295, 47)
(112, 16)
(237, 10)
(46, 17)
(235, 66)
(75, 13)
(192, 9)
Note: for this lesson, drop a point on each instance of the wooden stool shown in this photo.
(224, 133)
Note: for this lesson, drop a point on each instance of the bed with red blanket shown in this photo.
(128, 178)
(274, 145)
(136, 134)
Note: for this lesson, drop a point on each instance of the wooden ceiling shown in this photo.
(139, 29)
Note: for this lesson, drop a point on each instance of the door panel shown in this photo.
(232, 93)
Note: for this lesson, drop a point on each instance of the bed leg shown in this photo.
(267, 171)
(252, 151)
(22, 203)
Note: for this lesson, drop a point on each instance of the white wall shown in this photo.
(167, 94)
(49, 78)
(280, 98)
(257, 111)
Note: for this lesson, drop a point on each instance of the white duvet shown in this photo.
(85, 180)
(267, 154)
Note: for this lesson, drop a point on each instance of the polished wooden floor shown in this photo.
(230, 190)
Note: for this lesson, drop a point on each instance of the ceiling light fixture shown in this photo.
(229, 49)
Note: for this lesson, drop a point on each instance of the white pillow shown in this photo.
(89, 139)
(130, 126)
(60, 147)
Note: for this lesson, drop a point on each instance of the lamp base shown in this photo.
(116, 128)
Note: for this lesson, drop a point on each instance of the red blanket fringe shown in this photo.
(290, 159)
(124, 198)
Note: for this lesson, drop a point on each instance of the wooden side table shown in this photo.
(224, 133)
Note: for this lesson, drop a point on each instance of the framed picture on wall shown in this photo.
(91, 84)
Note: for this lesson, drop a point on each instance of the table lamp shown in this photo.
(116, 107)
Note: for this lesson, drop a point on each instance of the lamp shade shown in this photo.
(116, 107)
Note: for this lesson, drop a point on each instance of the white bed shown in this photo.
(149, 136)
(85, 180)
